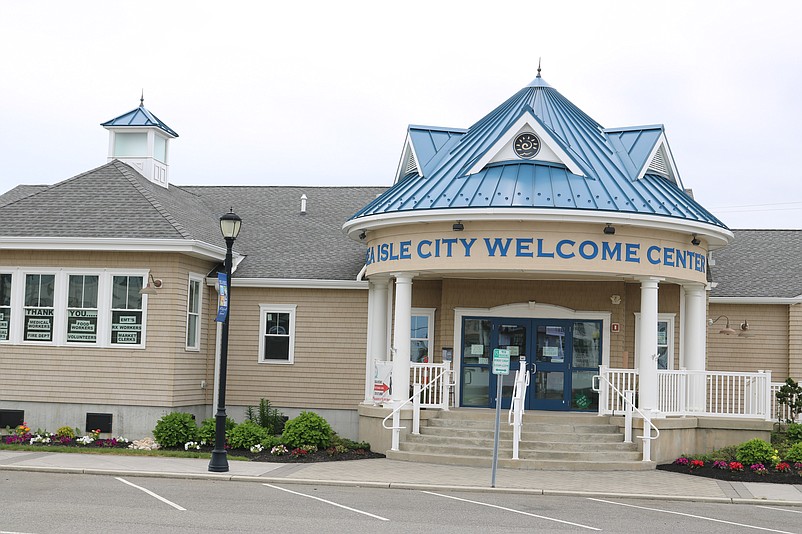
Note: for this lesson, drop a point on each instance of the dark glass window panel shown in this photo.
(550, 344)
(119, 292)
(586, 344)
(5, 289)
(476, 341)
(549, 385)
(277, 348)
(582, 395)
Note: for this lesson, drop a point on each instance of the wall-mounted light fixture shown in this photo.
(695, 241)
(151, 287)
(362, 235)
(458, 226)
(727, 330)
(609, 229)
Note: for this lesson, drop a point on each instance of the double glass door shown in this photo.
(562, 356)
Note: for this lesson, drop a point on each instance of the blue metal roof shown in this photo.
(610, 161)
(140, 117)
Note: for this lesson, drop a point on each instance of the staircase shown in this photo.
(565, 441)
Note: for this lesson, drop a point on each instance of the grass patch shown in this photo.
(115, 451)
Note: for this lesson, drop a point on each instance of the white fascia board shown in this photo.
(408, 147)
(293, 283)
(527, 119)
(716, 236)
(756, 300)
(185, 246)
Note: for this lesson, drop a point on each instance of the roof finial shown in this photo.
(538, 68)
(142, 98)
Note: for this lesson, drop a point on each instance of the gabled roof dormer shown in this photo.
(644, 150)
(423, 146)
(141, 140)
(550, 148)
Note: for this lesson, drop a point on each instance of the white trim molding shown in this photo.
(192, 247)
(293, 283)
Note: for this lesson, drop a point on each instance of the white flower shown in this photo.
(257, 448)
(192, 445)
(85, 440)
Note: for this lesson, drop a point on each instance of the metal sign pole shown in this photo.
(495, 438)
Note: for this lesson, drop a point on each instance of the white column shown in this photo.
(401, 337)
(377, 332)
(694, 330)
(647, 346)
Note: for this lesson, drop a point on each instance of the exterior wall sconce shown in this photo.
(695, 241)
(609, 229)
(727, 330)
(362, 235)
(151, 287)
(458, 226)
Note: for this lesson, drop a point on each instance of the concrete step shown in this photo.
(534, 464)
(487, 451)
(506, 433)
(505, 441)
(479, 414)
(566, 428)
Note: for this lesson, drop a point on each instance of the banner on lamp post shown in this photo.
(222, 299)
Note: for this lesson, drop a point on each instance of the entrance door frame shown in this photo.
(525, 310)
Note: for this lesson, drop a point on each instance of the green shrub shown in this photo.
(271, 441)
(349, 445)
(175, 429)
(307, 429)
(755, 451)
(725, 454)
(794, 432)
(208, 427)
(794, 454)
(269, 418)
(65, 432)
(246, 434)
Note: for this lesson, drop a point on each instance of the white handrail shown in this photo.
(415, 398)
(515, 416)
(630, 404)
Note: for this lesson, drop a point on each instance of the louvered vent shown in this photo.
(410, 166)
(658, 164)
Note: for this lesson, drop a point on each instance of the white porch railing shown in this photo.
(696, 393)
(431, 386)
(515, 417)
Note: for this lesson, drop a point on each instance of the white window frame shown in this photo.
(10, 306)
(661, 317)
(59, 337)
(264, 309)
(429, 314)
(194, 279)
(98, 332)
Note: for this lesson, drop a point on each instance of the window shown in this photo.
(39, 311)
(665, 340)
(277, 338)
(82, 308)
(5, 305)
(193, 312)
(126, 310)
(421, 335)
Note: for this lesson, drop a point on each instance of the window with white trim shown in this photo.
(277, 333)
(5, 306)
(40, 291)
(82, 310)
(665, 340)
(194, 297)
(421, 335)
(126, 310)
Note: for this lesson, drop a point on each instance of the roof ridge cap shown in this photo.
(127, 171)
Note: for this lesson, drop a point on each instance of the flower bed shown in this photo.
(779, 473)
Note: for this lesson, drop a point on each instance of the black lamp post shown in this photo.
(230, 224)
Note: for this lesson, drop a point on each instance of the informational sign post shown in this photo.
(222, 299)
(501, 367)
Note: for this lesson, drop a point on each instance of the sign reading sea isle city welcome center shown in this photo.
(503, 252)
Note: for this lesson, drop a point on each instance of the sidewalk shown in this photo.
(408, 475)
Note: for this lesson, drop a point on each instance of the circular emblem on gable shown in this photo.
(526, 145)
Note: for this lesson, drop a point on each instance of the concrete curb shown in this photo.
(394, 485)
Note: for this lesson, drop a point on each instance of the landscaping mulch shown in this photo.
(319, 456)
(747, 475)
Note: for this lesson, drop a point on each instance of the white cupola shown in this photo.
(141, 140)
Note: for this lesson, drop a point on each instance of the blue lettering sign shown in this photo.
(540, 253)
(522, 245)
(404, 254)
(467, 245)
(497, 245)
(426, 254)
(632, 252)
(583, 250)
(560, 245)
(650, 256)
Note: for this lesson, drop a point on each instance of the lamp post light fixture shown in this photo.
(230, 224)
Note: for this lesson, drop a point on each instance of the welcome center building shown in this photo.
(575, 247)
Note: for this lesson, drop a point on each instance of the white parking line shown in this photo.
(691, 515)
(162, 499)
(513, 510)
(10, 532)
(780, 509)
(328, 502)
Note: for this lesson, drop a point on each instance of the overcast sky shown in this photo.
(321, 93)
